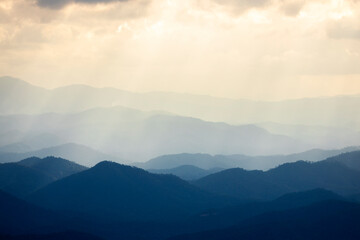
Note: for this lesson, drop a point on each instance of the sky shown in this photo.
(253, 49)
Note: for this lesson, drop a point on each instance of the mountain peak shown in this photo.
(292, 165)
(108, 167)
(9, 79)
(105, 164)
(53, 166)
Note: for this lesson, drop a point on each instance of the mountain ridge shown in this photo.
(288, 177)
(113, 191)
(22, 178)
(78, 153)
(207, 161)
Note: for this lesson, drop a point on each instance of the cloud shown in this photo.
(166, 44)
(243, 5)
(57, 4)
(344, 29)
(292, 8)
(289, 8)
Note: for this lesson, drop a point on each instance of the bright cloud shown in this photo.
(242, 49)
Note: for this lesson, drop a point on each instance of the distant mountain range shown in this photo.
(120, 131)
(295, 125)
(328, 136)
(331, 111)
(75, 152)
(207, 161)
(20, 142)
(333, 174)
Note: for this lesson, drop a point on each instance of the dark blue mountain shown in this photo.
(242, 184)
(18, 216)
(350, 159)
(20, 180)
(290, 177)
(325, 220)
(118, 192)
(186, 172)
(68, 235)
(28, 175)
(53, 166)
(226, 217)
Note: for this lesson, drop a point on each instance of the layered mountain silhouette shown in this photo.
(273, 186)
(289, 177)
(115, 201)
(28, 175)
(113, 191)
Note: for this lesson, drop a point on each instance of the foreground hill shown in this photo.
(320, 221)
(18, 216)
(20, 220)
(75, 152)
(290, 177)
(28, 175)
(68, 235)
(229, 216)
(113, 191)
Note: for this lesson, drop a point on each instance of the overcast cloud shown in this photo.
(263, 49)
(56, 4)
